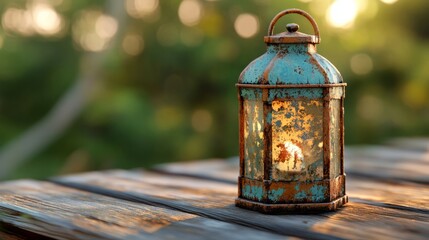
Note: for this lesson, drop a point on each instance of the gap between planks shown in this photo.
(207, 213)
(291, 226)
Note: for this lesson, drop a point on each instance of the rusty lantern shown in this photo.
(291, 126)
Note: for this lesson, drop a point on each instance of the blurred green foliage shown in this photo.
(176, 100)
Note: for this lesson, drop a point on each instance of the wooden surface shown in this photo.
(388, 188)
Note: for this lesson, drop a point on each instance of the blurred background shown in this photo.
(88, 85)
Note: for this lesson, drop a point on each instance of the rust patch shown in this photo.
(297, 137)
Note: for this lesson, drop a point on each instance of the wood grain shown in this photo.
(381, 163)
(387, 186)
(382, 189)
(395, 218)
(64, 213)
(388, 163)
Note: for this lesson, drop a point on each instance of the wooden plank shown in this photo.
(64, 213)
(362, 218)
(420, 144)
(388, 191)
(388, 163)
(377, 162)
(220, 170)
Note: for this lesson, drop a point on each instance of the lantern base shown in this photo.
(268, 208)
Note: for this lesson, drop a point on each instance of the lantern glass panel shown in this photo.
(253, 138)
(335, 165)
(297, 144)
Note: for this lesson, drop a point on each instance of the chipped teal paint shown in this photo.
(300, 195)
(312, 168)
(253, 192)
(269, 117)
(275, 194)
(297, 187)
(310, 93)
(251, 93)
(295, 67)
(333, 75)
(318, 193)
(254, 72)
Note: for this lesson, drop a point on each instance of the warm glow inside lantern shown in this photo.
(291, 126)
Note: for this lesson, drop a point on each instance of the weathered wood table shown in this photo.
(387, 188)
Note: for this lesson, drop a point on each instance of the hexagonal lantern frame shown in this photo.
(291, 119)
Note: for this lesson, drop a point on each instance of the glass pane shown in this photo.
(297, 145)
(335, 166)
(253, 139)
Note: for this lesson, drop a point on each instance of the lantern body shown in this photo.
(291, 129)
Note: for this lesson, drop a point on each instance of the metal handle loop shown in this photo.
(297, 11)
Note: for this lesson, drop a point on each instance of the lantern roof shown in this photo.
(291, 58)
(290, 64)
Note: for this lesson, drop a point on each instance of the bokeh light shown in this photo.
(46, 20)
(106, 26)
(246, 25)
(38, 18)
(133, 44)
(92, 30)
(369, 107)
(168, 76)
(190, 12)
(18, 21)
(342, 13)
(361, 64)
(415, 94)
(201, 120)
(141, 8)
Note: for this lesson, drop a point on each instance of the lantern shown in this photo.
(291, 126)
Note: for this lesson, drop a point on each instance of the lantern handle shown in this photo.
(297, 11)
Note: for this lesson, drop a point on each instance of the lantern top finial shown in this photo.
(292, 27)
(292, 35)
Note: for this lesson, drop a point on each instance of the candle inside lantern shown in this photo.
(297, 133)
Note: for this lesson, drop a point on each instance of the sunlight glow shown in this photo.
(141, 8)
(389, 1)
(190, 12)
(246, 25)
(342, 13)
